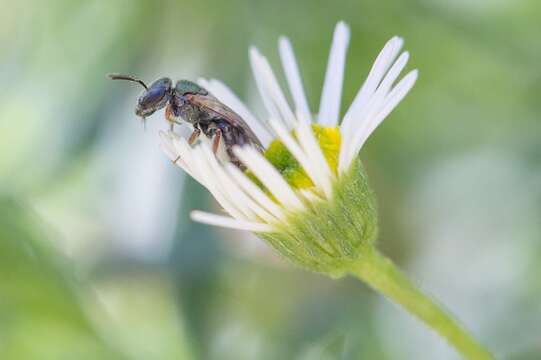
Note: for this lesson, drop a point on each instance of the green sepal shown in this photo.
(330, 235)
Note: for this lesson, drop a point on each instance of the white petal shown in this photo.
(310, 195)
(394, 72)
(182, 149)
(367, 113)
(186, 160)
(391, 101)
(263, 91)
(168, 147)
(255, 192)
(299, 154)
(227, 222)
(223, 93)
(270, 177)
(378, 113)
(235, 193)
(293, 75)
(311, 147)
(383, 61)
(268, 86)
(329, 108)
(227, 187)
(172, 155)
(213, 186)
(369, 98)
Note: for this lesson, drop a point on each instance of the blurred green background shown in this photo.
(98, 259)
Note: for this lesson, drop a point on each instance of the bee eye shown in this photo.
(152, 96)
(156, 95)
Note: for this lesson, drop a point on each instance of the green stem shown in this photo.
(382, 275)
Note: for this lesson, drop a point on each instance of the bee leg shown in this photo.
(170, 117)
(195, 134)
(216, 140)
(175, 161)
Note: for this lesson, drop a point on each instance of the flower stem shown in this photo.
(382, 275)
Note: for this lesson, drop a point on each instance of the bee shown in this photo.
(193, 104)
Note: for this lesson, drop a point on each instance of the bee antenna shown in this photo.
(129, 78)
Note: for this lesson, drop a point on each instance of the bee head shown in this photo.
(153, 98)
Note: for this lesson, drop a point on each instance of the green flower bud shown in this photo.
(329, 235)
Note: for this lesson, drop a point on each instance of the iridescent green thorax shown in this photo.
(189, 87)
(329, 140)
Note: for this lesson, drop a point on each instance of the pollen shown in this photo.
(279, 156)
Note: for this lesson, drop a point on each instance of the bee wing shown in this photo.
(220, 110)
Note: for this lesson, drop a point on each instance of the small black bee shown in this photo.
(189, 102)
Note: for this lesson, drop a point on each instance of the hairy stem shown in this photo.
(382, 275)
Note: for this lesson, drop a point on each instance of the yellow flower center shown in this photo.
(329, 140)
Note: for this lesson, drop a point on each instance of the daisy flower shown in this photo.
(308, 157)
(307, 194)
